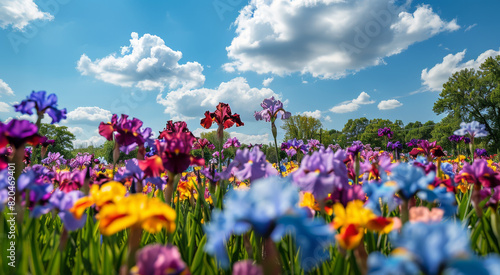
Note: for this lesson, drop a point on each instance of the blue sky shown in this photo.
(161, 60)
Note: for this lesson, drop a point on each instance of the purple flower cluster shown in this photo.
(386, 131)
(394, 145)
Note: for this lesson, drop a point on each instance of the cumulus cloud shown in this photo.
(89, 114)
(247, 139)
(147, 63)
(5, 89)
(267, 81)
(19, 13)
(4, 107)
(352, 105)
(389, 104)
(434, 78)
(327, 38)
(190, 104)
(315, 114)
(76, 130)
(94, 140)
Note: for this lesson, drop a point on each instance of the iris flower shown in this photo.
(270, 208)
(386, 131)
(175, 152)
(321, 173)
(108, 193)
(271, 109)
(42, 105)
(128, 134)
(160, 260)
(394, 145)
(232, 142)
(136, 210)
(19, 132)
(223, 117)
(174, 127)
(203, 143)
(81, 160)
(429, 149)
(292, 146)
(410, 180)
(479, 173)
(474, 129)
(249, 164)
(63, 202)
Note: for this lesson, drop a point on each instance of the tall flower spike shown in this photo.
(42, 105)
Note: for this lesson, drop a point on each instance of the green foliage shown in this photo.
(63, 141)
(475, 95)
(301, 127)
(443, 129)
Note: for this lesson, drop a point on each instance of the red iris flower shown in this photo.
(222, 116)
(175, 152)
(174, 127)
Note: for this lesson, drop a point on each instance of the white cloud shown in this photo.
(389, 104)
(19, 13)
(89, 114)
(315, 114)
(434, 78)
(363, 98)
(5, 89)
(254, 139)
(326, 38)
(191, 104)
(470, 27)
(94, 140)
(328, 119)
(4, 107)
(345, 108)
(76, 130)
(352, 105)
(267, 81)
(147, 63)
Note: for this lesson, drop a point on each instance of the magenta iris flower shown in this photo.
(313, 145)
(232, 142)
(271, 109)
(348, 193)
(175, 152)
(203, 143)
(250, 164)
(69, 181)
(54, 158)
(412, 143)
(386, 131)
(356, 147)
(174, 127)
(42, 104)
(128, 134)
(19, 132)
(81, 160)
(479, 174)
(322, 172)
(157, 259)
(455, 138)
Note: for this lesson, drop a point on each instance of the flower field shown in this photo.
(408, 208)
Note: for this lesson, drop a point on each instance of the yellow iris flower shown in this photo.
(136, 210)
(109, 192)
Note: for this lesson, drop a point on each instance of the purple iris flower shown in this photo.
(232, 142)
(474, 129)
(175, 152)
(322, 172)
(335, 147)
(37, 183)
(394, 145)
(250, 164)
(62, 203)
(466, 140)
(81, 160)
(313, 144)
(479, 173)
(412, 143)
(494, 196)
(157, 259)
(479, 152)
(356, 147)
(42, 105)
(348, 193)
(69, 181)
(272, 108)
(455, 138)
(53, 158)
(128, 135)
(18, 132)
(386, 131)
(292, 146)
(211, 174)
(136, 174)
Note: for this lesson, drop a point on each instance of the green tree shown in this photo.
(475, 95)
(301, 127)
(354, 128)
(417, 130)
(63, 141)
(443, 129)
(370, 134)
